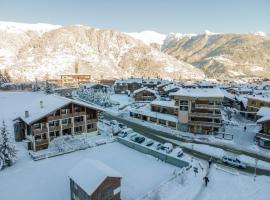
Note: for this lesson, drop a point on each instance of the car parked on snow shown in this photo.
(122, 125)
(233, 161)
(179, 152)
(158, 146)
(168, 147)
(123, 133)
(139, 139)
(149, 143)
(113, 122)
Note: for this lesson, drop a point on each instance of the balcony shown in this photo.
(91, 121)
(66, 126)
(76, 114)
(202, 123)
(37, 131)
(42, 142)
(54, 128)
(262, 135)
(207, 106)
(81, 123)
(206, 115)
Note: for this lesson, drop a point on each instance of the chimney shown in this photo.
(41, 104)
(26, 113)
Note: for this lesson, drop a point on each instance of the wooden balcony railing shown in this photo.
(37, 131)
(202, 123)
(262, 135)
(207, 106)
(209, 115)
(42, 142)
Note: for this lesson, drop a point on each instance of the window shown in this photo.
(78, 129)
(37, 126)
(90, 126)
(185, 108)
(66, 121)
(161, 121)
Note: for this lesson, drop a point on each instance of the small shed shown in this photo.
(94, 180)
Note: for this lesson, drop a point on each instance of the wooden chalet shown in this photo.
(52, 117)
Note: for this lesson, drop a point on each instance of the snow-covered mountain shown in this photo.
(149, 37)
(223, 55)
(42, 51)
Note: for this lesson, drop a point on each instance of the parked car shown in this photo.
(113, 122)
(122, 125)
(158, 146)
(149, 143)
(229, 160)
(179, 152)
(168, 147)
(123, 133)
(139, 139)
(133, 136)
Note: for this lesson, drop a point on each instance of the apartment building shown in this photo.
(257, 101)
(52, 117)
(74, 79)
(199, 110)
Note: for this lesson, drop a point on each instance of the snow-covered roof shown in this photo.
(144, 89)
(171, 87)
(90, 85)
(145, 110)
(199, 92)
(264, 112)
(228, 95)
(50, 103)
(264, 98)
(141, 80)
(164, 103)
(89, 174)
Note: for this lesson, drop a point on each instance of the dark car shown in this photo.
(122, 125)
(140, 139)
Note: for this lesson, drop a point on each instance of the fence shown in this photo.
(162, 156)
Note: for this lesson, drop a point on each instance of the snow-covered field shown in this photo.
(48, 179)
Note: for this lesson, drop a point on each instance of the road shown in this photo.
(161, 136)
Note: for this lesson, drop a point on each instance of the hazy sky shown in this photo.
(184, 16)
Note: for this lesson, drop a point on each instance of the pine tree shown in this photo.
(7, 148)
(48, 88)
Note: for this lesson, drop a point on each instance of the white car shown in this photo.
(229, 160)
(168, 147)
(179, 152)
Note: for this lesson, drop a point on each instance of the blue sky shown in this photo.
(184, 16)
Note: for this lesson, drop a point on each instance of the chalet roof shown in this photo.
(89, 174)
(142, 80)
(50, 104)
(170, 104)
(90, 85)
(264, 112)
(264, 98)
(144, 89)
(199, 92)
(145, 110)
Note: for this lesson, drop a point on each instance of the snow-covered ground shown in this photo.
(48, 179)
(144, 177)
